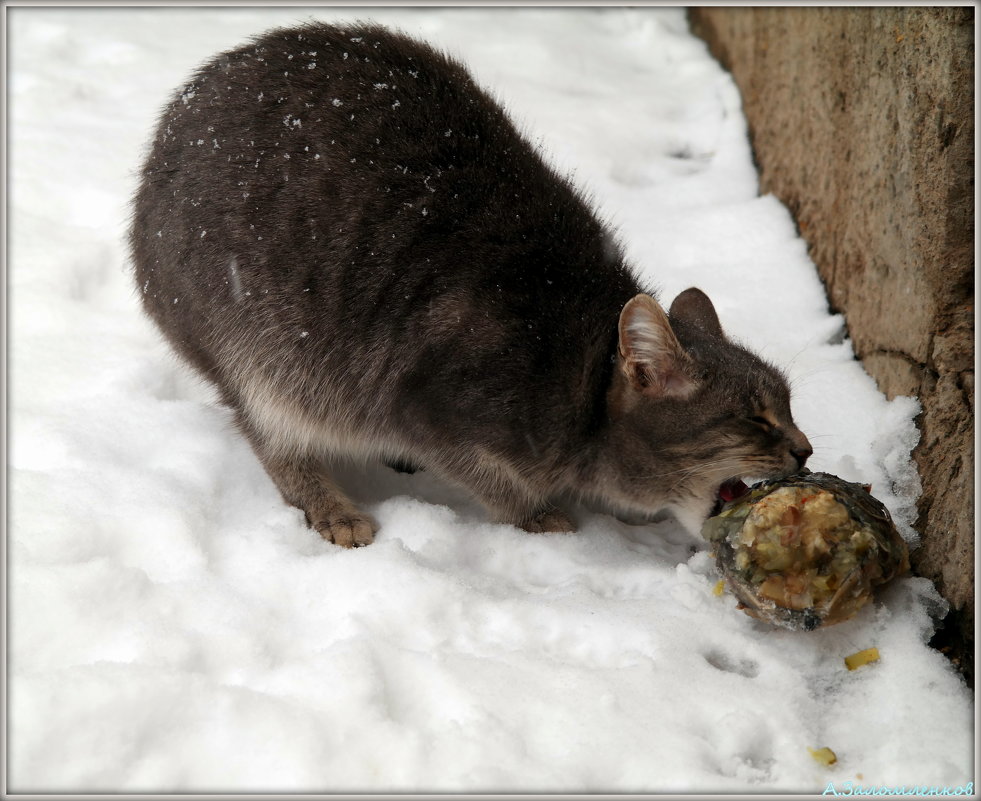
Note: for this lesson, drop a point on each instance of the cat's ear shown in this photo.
(650, 355)
(693, 306)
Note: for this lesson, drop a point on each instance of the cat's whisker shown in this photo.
(684, 471)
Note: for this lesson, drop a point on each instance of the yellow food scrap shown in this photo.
(719, 586)
(824, 756)
(862, 658)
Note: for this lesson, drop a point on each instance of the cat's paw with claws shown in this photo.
(549, 521)
(350, 530)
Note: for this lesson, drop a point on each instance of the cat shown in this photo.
(352, 241)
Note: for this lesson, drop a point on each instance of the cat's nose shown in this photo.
(801, 454)
(800, 446)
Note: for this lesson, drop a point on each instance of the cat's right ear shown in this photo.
(694, 307)
(651, 357)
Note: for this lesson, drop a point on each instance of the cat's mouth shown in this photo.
(729, 490)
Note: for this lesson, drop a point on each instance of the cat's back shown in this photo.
(329, 202)
(291, 173)
(355, 140)
(316, 113)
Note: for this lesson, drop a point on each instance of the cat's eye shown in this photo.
(762, 422)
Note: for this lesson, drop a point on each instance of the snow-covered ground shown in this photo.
(173, 626)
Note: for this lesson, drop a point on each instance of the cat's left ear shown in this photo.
(650, 355)
(694, 307)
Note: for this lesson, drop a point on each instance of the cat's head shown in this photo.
(691, 413)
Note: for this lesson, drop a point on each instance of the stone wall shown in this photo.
(862, 123)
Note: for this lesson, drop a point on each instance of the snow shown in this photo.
(174, 626)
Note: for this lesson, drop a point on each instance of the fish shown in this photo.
(805, 551)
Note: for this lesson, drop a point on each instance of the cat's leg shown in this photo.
(507, 496)
(285, 444)
(304, 483)
(548, 519)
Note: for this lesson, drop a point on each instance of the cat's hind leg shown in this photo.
(507, 495)
(305, 484)
(292, 447)
(548, 519)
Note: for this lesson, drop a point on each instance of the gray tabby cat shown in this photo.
(350, 239)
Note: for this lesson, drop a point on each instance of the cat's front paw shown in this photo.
(349, 530)
(549, 520)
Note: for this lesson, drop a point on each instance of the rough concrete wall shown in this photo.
(862, 123)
